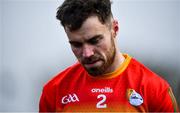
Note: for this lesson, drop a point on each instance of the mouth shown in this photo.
(92, 64)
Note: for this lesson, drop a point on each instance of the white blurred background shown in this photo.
(34, 47)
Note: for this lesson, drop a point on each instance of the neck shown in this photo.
(118, 60)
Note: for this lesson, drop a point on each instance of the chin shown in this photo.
(95, 71)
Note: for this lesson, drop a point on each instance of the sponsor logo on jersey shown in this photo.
(102, 90)
(134, 98)
(69, 98)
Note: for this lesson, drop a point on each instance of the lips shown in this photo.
(92, 61)
(92, 64)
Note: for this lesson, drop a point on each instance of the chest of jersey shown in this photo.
(94, 95)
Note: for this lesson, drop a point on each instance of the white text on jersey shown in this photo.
(102, 90)
(69, 98)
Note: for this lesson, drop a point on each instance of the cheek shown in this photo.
(102, 50)
(106, 43)
(105, 46)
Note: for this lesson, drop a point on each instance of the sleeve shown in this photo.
(43, 107)
(172, 100)
(46, 103)
(167, 102)
(162, 98)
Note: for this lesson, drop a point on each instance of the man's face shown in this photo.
(93, 45)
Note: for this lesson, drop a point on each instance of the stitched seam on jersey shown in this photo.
(173, 99)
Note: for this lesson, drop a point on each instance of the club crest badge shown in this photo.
(134, 98)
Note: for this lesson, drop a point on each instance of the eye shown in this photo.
(95, 40)
(76, 44)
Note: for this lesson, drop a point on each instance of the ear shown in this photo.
(115, 27)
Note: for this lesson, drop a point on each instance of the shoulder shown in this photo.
(154, 89)
(145, 79)
(149, 81)
(145, 73)
(60, 81)
(65, 74)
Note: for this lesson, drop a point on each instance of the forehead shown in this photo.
(91, 27)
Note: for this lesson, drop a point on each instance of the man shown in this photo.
(103, 79)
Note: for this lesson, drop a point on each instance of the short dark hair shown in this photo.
(72, 13)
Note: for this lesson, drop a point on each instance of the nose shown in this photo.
(87, 51)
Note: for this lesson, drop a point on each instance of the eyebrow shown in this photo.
(73, 42)
(94, 37)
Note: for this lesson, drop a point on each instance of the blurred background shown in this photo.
(34, 47)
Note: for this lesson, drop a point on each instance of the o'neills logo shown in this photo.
(102, 90)
(69, 98)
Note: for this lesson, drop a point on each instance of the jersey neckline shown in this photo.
(117, 72)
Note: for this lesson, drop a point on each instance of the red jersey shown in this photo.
(130, 88)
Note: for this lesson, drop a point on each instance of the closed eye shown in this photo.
(95, 39)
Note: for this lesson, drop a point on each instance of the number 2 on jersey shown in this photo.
(101, 103)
